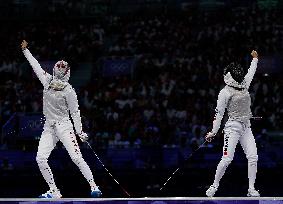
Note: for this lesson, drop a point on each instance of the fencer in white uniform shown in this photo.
(59, 101)
(235, 98)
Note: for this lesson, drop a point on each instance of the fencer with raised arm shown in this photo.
(236, 100)
(59, 101)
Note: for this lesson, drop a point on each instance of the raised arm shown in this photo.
(222, 102)
(251, 72)
(42, 75)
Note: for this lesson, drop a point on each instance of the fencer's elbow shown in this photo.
(75, 113)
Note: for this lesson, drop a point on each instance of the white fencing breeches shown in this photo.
(235, 131)
(54, 132)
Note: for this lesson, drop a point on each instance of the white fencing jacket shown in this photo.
(56, 103)
(236, 100)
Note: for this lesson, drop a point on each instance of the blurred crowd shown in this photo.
(180, 61)
(51, 40)
(171, 98)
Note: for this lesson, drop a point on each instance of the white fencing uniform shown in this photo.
(235, 98)
(59, 99)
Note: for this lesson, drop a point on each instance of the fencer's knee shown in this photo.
(252, 159)
(77, 159)
(41, 160)
(227, 160)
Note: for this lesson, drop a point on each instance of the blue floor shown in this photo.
(169, 200)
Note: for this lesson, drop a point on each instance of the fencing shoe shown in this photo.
(211, 191)
(95, 193)
(51, 194)
(253, 193)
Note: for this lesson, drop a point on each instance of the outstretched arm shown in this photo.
(222, 102)
(42, 75)
(251, 72)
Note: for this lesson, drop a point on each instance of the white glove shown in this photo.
(83, 136)
(209, 136)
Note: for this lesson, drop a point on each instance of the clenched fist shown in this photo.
(254, 54)
(24, 44)
(83, 136)
(209, 136)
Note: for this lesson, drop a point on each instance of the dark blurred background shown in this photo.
(147, 74)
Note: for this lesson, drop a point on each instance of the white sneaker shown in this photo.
(253, 193)
(51, 194)
(211, 191)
